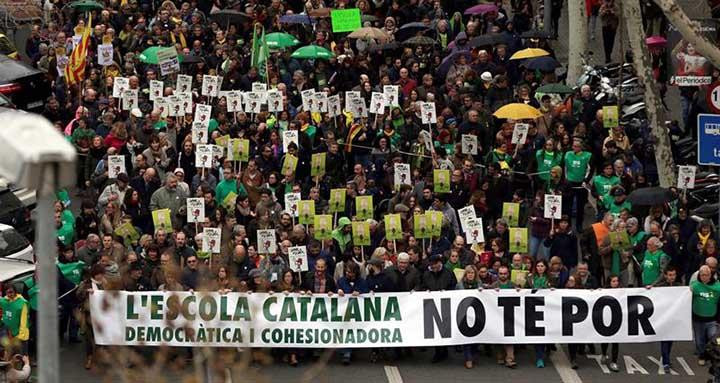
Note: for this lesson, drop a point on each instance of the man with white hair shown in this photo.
(654, 262)
(404, 275)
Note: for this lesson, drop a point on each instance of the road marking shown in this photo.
(661, 370)
(633, 366)
(393, 374)
(685, 366)
(562, 366)
(602, 366)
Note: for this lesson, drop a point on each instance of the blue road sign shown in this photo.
(709, 139)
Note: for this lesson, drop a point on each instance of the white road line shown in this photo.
(393, 374)
(562, 366)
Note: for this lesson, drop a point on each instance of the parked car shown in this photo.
(15, 272)
(14, 245)
(28, 197)
(13, 213)
(28, 88)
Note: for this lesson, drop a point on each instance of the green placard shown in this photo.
(610, 116)
(361, 233)
(161, 219)
(337, 200)
(317, 165)
(306, 212)
(345, 20)
(619, 240)
(518, 240)
(229, 201)
(436, 219)
(441, 180)
(421, 225)
(364, 207)
(289, 164)
(511, 213)
(393, 227)
(128, 232)
(323, 226)
(240, 149)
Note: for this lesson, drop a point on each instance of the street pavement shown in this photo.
(637, 362)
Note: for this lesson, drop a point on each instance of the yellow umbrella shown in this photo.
(517, 111)
(529, 53)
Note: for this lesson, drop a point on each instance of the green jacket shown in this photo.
(15, 316)
(224, 188)
(652, 266)
(340, 236)
(66, 234)
(705, 298)
(547, 161)
(604, 184)
(72, 271)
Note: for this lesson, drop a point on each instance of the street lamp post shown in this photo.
(33, 154)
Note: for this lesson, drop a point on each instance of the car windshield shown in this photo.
(11, 242)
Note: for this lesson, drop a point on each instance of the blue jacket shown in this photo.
(348, 286)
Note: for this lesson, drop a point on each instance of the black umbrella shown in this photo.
(190, 59)
(650, 196)
(544, 64)
(411, 29)
(384, 47)
(227, 16)
(489, 39)
(536, 34)
(419, 40)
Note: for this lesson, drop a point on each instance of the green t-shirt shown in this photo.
(604, 184)
(65, 234)
(540, 282)
(32, 292)
(651, 266)
(576, 165)
(224, 188)
(705, 298)
(545, 162)
(614, 208)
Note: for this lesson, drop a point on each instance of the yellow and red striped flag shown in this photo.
(75, 68)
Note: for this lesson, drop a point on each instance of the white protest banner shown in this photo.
(217, 151)
(203, 156)
(253, 103)
(469, 144)
(183, 83)
(156, 89)
(275, 101)
(321, 102)
(334, 108)
(686, 177)
(209, 86)
(129, 99)
(168, 61)
(349, 96)
(195, 210)
(116, 165)
(175, 106)
(202, 114)
(119, 86)
(267, 241)
(199, 133)
(308, 97)
(401, 175)
(417, 319)
(553, 206)
(377, 103)
(259, 87)
(291, 202)
(474, 232)
(427, 113)
(105, 54)
(211, 240)
(391, 93)
(234, 101)
(161, 105)
(186, 105)
(297, 258)
(289, 136)
(358, 107)
(466, 213)
(520, 133)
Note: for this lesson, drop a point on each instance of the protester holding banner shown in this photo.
(706, 294)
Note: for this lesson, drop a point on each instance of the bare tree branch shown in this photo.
(689, 30)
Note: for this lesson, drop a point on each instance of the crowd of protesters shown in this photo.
(568, 151)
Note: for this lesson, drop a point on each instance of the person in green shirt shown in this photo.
(604, 182)
(343, 233)
(654, 262)
(65, 232)
(616, 202)
(547, 158)
(705, 296)
(16, 319)
(506, 354)
(577, 171)
(228, 185)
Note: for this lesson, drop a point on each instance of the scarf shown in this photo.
(703, 238)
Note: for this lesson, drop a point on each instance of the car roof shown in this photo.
(11, 269)
(4, 227)
(14, 69)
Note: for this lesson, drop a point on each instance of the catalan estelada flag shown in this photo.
(75, 68)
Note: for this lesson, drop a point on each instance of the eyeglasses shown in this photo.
(192, 261)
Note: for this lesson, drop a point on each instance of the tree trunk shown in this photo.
(577, 39)
(653, 105)
(689, 30)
